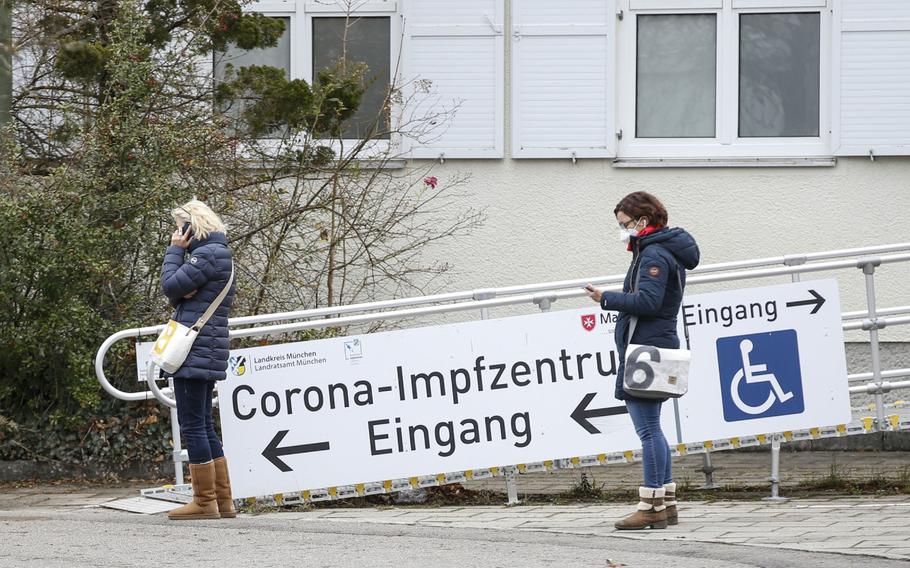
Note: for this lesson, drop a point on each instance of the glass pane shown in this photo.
(778, 74)
(360, 40)
(676, 76)
(278, 56)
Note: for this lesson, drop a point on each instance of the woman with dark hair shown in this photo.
(660, 257)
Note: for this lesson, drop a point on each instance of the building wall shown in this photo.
(553, 220)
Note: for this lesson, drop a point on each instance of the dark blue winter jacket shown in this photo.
(205, 267)
(656, 257)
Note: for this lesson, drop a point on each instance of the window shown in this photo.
(317, 35)
(778, 74)
(723, 79)
(234, 58)
(676, 76)
(358, 40)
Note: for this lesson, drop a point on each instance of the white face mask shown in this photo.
(625, 234)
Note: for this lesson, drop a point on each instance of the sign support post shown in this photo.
(775, 442)
(511, 485)
(775, 471)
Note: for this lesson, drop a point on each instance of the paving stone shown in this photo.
(878, 543)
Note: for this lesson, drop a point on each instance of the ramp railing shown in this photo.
(876, 382)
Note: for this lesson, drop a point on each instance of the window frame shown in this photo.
(301, 14)
(726, 143)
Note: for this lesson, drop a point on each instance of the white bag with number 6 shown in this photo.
(654, 372)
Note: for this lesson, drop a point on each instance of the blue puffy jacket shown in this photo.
(656, 257)
(205, 267)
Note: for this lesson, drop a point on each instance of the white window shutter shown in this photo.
(873, 114)
(563, 79)
(454, 69)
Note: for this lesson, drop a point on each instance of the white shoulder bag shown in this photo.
(176, 340)
(656, 372)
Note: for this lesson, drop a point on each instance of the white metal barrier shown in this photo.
(867, 259)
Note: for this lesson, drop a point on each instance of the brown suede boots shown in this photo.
(670, 504)
(211, 493)
(651, 511)
(203, 505)
(223, 489)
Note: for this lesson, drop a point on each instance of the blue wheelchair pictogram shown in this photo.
(760, 375)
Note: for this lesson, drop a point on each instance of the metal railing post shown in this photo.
(868, 266)
(795, 260)
(177, 453)
(545, 302)
(481, 295)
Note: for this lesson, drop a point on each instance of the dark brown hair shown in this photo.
(643, 204)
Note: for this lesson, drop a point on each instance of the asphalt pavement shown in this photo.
(65, 525)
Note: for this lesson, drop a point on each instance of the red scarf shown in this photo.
(646, 231)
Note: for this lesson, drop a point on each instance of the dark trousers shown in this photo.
(194, 412)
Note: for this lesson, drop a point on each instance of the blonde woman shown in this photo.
(197, 267)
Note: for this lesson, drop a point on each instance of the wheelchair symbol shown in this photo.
(755, 374)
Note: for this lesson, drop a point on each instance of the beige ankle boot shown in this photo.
(203, 505)
(223, 489)
(670, 504)
(651, 511)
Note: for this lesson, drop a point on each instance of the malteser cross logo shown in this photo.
(589, 322)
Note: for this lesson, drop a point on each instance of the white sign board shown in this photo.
(423, 401)
(765, 360)
(522, 389)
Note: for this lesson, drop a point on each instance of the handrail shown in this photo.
(99, 363)
(787, 260)
(892, 374)
(879, 323)
(492, 297)
(862, 314)
(527, 298)
(153, 387)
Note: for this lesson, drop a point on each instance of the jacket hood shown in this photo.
(678, 241)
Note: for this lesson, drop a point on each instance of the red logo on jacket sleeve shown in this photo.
(589, 321)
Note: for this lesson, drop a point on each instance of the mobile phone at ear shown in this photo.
(187, 229)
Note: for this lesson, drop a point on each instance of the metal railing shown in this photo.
(543, 295)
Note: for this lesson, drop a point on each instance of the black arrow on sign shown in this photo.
(273, 453)
(581, 413)
(817, 300)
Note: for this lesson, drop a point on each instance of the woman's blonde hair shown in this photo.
(201, 218)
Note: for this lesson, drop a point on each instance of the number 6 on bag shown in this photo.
(653, 372)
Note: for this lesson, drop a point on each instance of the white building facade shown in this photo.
(767, 127)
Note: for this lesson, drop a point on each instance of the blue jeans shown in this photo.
(655, 452)
(194, 412)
